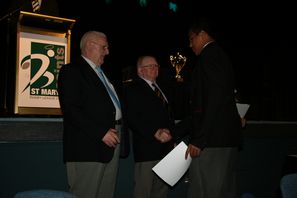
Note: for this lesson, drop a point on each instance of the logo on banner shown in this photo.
(44, 64)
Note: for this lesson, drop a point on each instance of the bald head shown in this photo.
(94, 46)
(91, 35)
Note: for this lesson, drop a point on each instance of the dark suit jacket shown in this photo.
(88, 113)
(145, 115)
(214, 120)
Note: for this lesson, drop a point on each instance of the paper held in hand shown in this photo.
(242, 109)
(174, 165)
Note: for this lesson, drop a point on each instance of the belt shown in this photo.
(118, 122)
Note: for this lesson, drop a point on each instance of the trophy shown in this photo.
(178, 62)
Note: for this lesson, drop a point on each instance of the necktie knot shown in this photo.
(98, 68)
(111, 92)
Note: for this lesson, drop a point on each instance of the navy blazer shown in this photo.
(214, 119)
(145, 115)
(88, 113)
(213, 101)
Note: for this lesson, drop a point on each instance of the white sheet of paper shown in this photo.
(174, 165)
(242, 109)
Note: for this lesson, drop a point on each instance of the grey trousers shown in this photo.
(93, 179)
(146, 183)
(213, 174)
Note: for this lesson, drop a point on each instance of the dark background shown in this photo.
(259, 36)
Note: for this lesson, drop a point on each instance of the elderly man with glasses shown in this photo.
(150, 120)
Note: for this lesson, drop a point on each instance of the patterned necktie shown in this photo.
(109, 90)
(159, 94)
(164, 101)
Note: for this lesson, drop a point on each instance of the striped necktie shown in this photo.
(159, 93)
(164, 101)
(109, 90)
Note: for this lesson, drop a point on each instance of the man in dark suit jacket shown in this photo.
(214, 125)
(149, 119)
(92, 121)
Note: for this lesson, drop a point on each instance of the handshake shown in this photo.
(163, 135)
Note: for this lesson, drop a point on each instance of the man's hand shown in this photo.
(194, 151)
(243, 122)
(111, 138)
(163, 135)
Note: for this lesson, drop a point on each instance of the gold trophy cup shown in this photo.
(178, 62)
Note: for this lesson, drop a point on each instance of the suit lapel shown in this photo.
(90, 74)
(145, 86)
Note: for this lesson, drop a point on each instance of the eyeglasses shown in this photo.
(104, 47)
(151, 66)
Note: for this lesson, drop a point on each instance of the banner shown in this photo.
(40, 59)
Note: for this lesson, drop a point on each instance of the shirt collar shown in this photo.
(91, 63)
